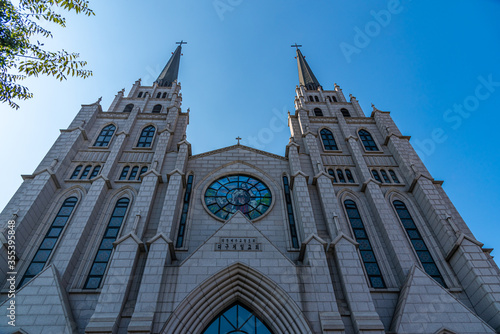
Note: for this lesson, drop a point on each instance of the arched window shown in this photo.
(291, 217)
(332, 174)
(157, 108)
(394, 176)
(237, 319)
(103, 255)
(146, 137)
(376, 176)
(133, 173)
(318, 112)
(349, 176)
(340, 174)
(328, 140)
(311, 98)
(76, 172)
(140, 95)
(334, 99)
(123, 175)
(143, 170)
(86, 172)
(385, 176)
(158, 95)
(345, 112)
(105, 136)
(418, 243)
(50, 240)
(365, 247)
(128, 107)
(316, 98)
(95, 171)
(329, 99)
(185, 209)
(367, 140)
(164, 96)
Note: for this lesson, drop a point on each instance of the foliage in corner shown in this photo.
(21, 56)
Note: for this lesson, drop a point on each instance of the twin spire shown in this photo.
(171, 70)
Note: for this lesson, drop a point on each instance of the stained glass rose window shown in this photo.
(229, 194)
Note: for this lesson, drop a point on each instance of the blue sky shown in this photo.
(238, 75)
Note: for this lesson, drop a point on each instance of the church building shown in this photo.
(121, 229)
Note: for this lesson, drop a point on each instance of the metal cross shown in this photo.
(181, 42)
(238, 139)
(296, 46)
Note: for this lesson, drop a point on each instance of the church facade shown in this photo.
(121, 229)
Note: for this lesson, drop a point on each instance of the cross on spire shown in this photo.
(181, 42)
(238, 139)
(296, 46)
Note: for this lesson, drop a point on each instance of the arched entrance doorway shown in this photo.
(237, 319)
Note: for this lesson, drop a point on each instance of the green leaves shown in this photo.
(20, 57)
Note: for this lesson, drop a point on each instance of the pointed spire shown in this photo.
(171, 70)
(306, 76)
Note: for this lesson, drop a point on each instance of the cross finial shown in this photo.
(295, 46)
(238, 139)
(181, 42)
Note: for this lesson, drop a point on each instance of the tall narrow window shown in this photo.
(340, 174)
(164, 96)
(385, 176)
(329, 99)
(291, 218)
(311, 99)
(316, 98)
(101, 259)
(143, 170)
(345, 112)
(418, 243)
(334, 99)
(332, 174)
(394, 176)
(365, 247)
(157, 108)
(367, 140)
(140, 95)
(76, 172)
(328, 140)
(128, 107)
(318, 112)
(376, 176)
(349, 176)
(105, 136)
(123, 175)
(95, 171)
(158, 95)
(185, 210)
(133, 173)
(50, 240)
(86, 172)
(146, 137)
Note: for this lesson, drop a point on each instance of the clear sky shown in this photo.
(238, 75)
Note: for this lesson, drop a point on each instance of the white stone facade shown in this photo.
(154, 285)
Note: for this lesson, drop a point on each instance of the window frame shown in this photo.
(110, 139)
(140, 139)
(377, 146)
(320, 134)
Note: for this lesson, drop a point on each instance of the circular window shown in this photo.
(229, 194)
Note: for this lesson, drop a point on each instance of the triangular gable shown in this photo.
(424, 306)
(219, 252)
(41, 306)
(238, 147)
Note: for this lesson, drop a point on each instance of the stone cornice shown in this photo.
(305, 243)
(365, 184)
(242, 147)
(320, 174)
(351, 137)
(127, 236)
(415, 180)
(342, 236)
(160, 237)
(122, 132)
(299, 173)
(458, 243)
(53, 176)
(105, 179)
(155, 173)
(386, 141)
(82, 130)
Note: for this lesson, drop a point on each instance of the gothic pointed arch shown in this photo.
(237, 283)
